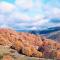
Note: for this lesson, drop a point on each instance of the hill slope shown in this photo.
(29, 44)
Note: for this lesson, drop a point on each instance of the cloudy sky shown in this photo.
(29, 14)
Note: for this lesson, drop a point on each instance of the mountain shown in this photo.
(51, 33)
(54, 35)
(28, 45)
(42, 32)
(45, 31)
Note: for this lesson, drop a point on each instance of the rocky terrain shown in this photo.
(26, 46)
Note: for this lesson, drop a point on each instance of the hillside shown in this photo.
(28, 45)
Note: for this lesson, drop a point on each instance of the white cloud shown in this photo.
(38, 4)
(38, 17)
(2, 17)
(20, 16)
(24, 3)
(6, 7)
(29, 4)
(56, 12)
(52, 11)
(5, 26)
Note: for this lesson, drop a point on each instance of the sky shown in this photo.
(29, 14)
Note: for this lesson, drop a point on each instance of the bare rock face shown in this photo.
(29, 44)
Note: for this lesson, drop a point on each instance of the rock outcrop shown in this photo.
(29, 44)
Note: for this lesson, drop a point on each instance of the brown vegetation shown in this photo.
(7, 57)
(29, 44)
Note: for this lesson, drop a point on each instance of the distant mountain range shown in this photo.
(46, 31)
(52, 32)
